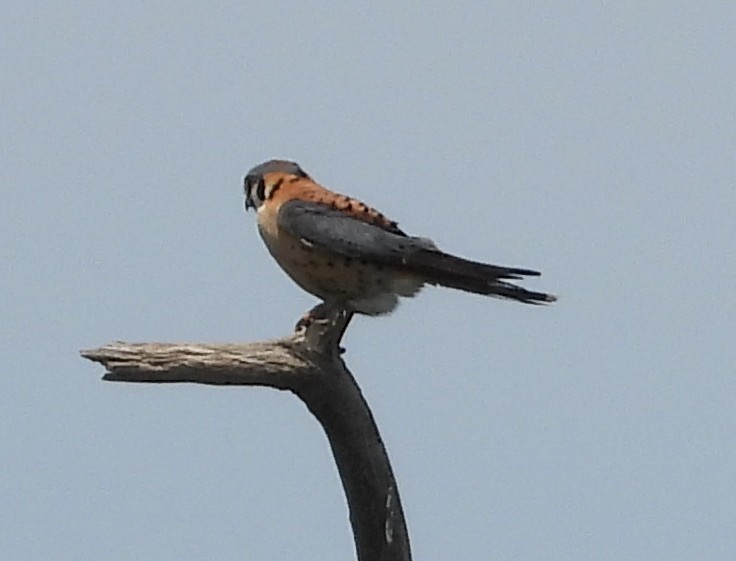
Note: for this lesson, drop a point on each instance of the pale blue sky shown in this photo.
(594, 143)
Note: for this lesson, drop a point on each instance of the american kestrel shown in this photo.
(352, 256)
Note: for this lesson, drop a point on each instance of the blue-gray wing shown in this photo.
(337, 232)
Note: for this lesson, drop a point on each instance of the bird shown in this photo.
(351, 256)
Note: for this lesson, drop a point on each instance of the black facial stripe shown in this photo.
(275, 187)
(261, 189)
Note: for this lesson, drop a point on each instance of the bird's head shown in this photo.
(260, 182)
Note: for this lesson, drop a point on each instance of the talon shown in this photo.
(304, 322)
(319, 312)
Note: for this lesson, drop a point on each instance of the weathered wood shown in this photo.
(308, 364)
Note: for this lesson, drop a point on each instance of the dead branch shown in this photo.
(309, 365)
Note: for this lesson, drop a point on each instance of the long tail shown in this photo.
(448, 270)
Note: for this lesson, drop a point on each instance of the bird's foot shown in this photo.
(329, 317)
(319, 313)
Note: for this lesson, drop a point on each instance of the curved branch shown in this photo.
(309, 365)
